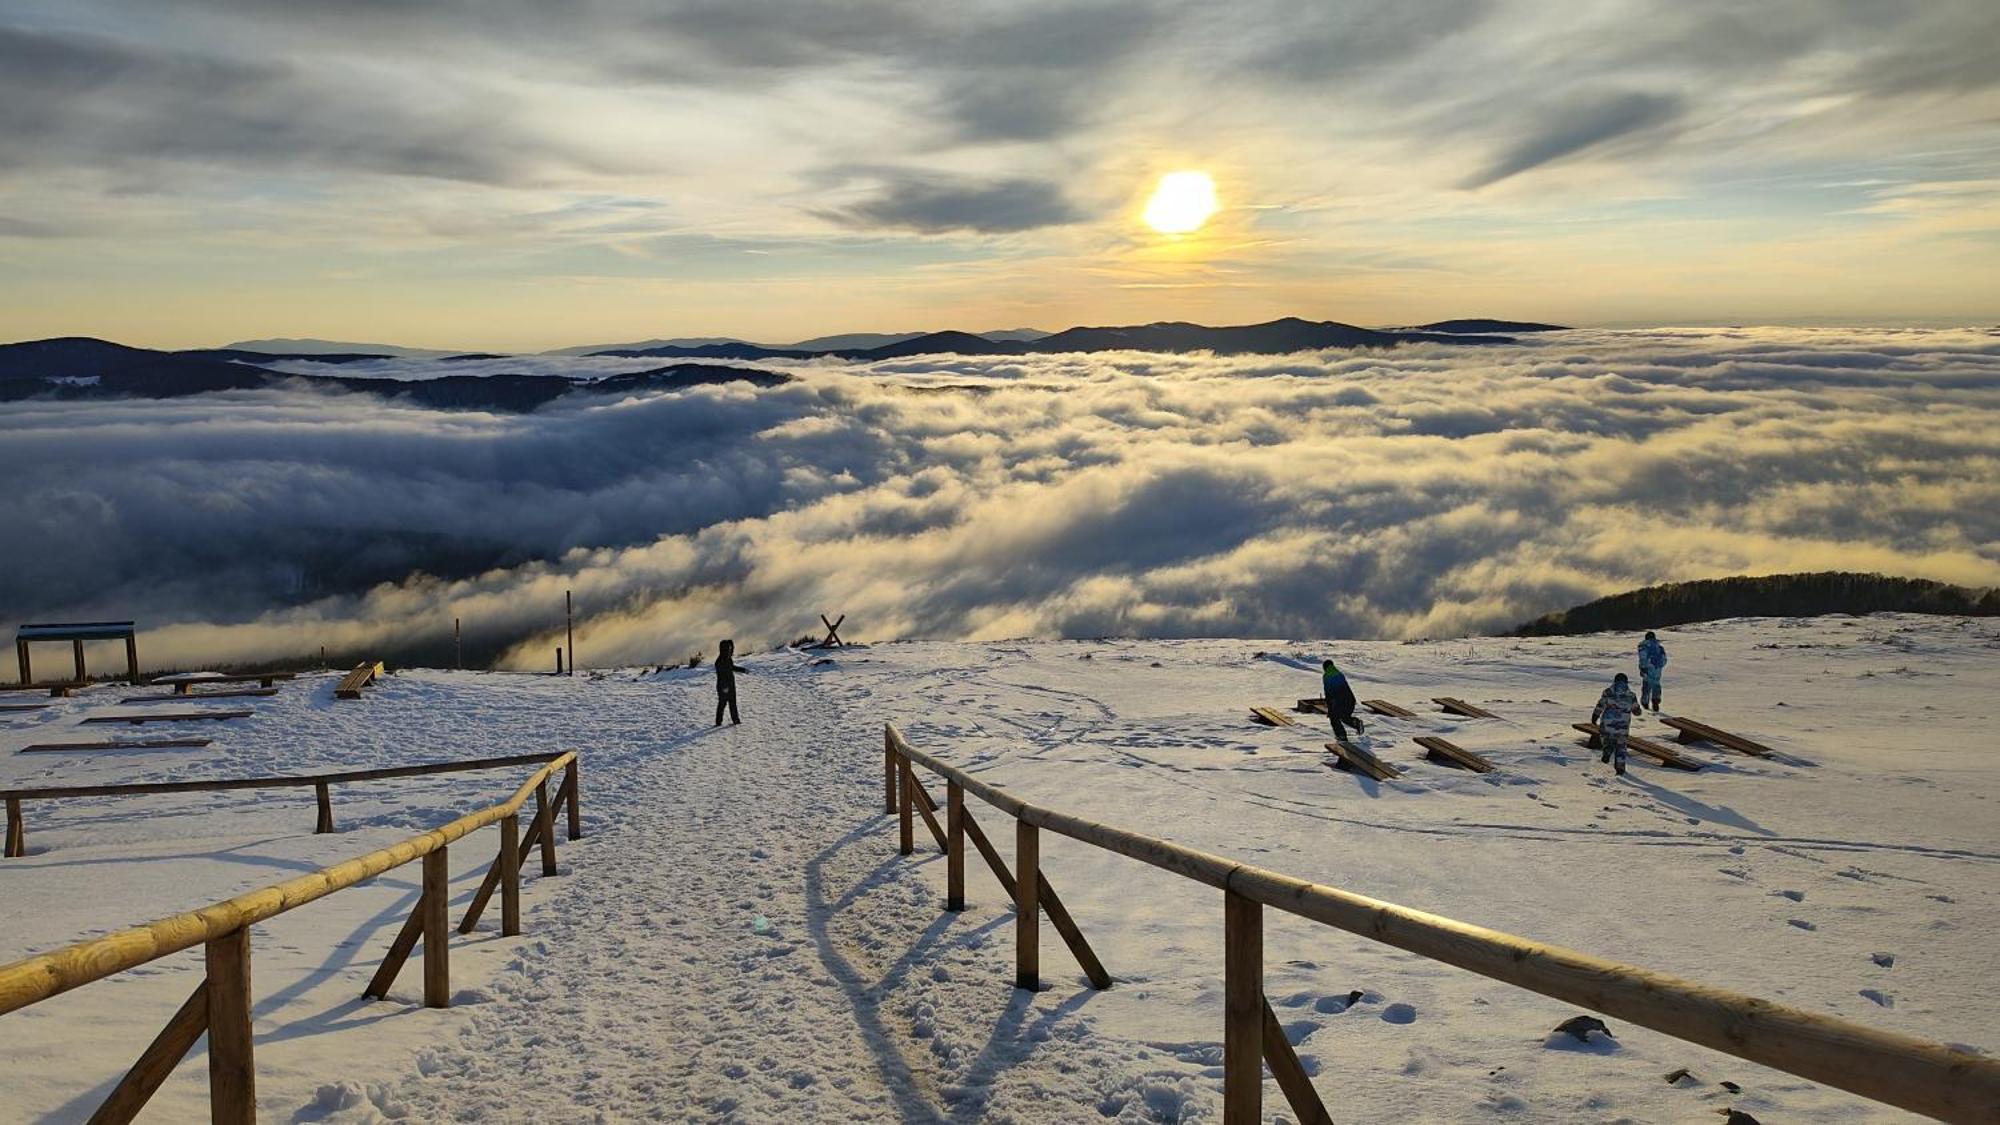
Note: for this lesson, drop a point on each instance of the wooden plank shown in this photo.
(294, 781)
(168, 1048)
(1028, 914)
(1384, 707)
(573, 785)
(184, 696)
(906, 838)
(545, 825)
(267, 679)
(232, 1068)
(1352, 757)
(363, 675)
(23, 707)
(954, 850)
(399, 952)
(1272, 717)
(116, 744)
(1461, 708)
(1242, 1010)
(64, 686)
(928, 809)
(1658, 751)
(171, 717)
(1291, 1076)
(888, 774)
(324, 797)
(1311, 706)
(1692, 731)
(510, 876)
(1439, 750)
(437, 929)
(17, 829)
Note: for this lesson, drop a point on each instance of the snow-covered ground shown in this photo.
(736, 938)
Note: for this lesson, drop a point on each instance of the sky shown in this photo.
(512, 175)
(1423, 491)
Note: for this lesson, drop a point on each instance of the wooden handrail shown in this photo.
(37, 978)
(296, 780)
(1901, 1070)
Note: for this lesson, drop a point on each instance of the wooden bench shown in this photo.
(1461, 708)
(1315, 706)
(59, 690)
(1272, 717)
(1348, 756)
(261, 679)
(169, 717)
(1659, 752)
(183, 697)
(363, 675)
(136, 744)
(1444, 753)
(23, 706)
(1384, 707)
(1691, 731)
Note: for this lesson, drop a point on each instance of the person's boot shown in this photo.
(1621, 769)
(1604, 757)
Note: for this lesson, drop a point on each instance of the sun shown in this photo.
(1182, 202)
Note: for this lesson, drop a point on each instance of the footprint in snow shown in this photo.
(1795, 896)
(1801, 924)
(1399, 1013)
(1886, 960)
(1879, 996)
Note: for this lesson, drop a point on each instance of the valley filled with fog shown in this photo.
(1426, 491)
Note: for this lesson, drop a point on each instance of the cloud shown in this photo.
(1420, 492)
(935, 205)
(1587, 121)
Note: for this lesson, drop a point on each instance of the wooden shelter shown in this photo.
(76, 633)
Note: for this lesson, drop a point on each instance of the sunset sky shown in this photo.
(514, 175)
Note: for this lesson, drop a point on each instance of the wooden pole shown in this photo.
(569, 629)
(573, 781)
(437, 929)
(1291, 1076)
(132, 659)
(166, 1051)
(888, 773)
(510, 875)
(77, 648)
(954, 831)
(28, 675)
(1243, 1010)
(17, 829)
(1028, 912)
(457, 647)
(232, 1069)
(325, 796)
(907, 841)
(559, 664)
(545, 817)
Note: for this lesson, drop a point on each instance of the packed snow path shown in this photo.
(737, 938)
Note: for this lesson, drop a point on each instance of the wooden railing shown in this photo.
(220, 1004)
(1903, 1071)
(322, 783)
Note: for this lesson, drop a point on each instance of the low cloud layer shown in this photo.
(1428, 491)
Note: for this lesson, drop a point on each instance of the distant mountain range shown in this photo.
(82, 367)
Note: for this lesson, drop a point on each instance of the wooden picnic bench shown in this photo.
(168, 717)
(363, 675)
(1445, 753)
(1384, 707)
(1461, 708)
(60, 689)
(1272, 717)
(1692, 731)
(186, 696)
(1658, 751)
(262, 679)
(1348, 756)
(116, 744)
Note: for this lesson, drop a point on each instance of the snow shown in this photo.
(736, 937)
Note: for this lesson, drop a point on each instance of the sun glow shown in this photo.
(1182, 203)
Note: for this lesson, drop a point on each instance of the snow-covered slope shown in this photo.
(737, 938)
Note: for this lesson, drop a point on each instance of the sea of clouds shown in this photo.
(1427, 491)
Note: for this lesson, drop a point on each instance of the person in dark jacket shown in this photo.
(725, 682)
(1339, 700)
(1652, 664)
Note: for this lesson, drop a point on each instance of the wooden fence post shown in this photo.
(17, 829)
(510, 875)
(888, 770)
(232, 1069)
(954, 852)
(545, 817)
(325, 807)
(905, 799)
(437, 929)
(1028, 906)
(1243, 1010)
(573, 781)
